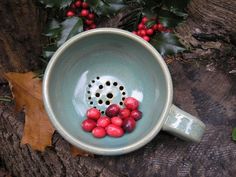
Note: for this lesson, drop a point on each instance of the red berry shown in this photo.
(89, 22)
(116, 121)
(142, 32)
(93, 26)
(93, 113)
(70, 14)
(134, 32)
(91, 16)
(160, 27)
(73, 6)
(136, 114)
(139, 33)
(85, 5)
(124, 113)
(154, 27)
(88, 125)
(141, 26)
(103, 121)
(78, 3)
(146, 38)
(149, 32)
(113, 110)
(84, 13)
(144, 20)
(129, 124)
(131, 103)
(114, 131)
(87, 28)
(99, 132)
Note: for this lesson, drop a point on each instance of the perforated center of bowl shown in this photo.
(105, 90)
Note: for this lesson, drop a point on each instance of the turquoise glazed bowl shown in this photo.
(103, 66)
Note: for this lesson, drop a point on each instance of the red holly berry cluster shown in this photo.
(146, 32)
(116, 122)
(81, 9)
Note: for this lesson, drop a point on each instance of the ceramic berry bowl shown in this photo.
(103, 66)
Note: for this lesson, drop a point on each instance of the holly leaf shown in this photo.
(70, 27)
(53, 29)
(177, 7)
(38, 130)
(56, 3)
(168, 19)
(167, 43)
(49, 51)
(234, 134)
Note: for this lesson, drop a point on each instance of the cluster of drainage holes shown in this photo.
(109, 95)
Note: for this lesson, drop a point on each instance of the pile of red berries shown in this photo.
(80, 8)
(116, 122)
(146, 32)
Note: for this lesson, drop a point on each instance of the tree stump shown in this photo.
(203, 86)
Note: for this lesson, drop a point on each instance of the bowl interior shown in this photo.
(100, 69)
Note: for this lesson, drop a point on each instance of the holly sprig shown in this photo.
(67, 18)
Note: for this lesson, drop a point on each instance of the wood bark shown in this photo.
(203, 86)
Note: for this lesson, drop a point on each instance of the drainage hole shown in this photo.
(100, 101)
(107, 102)
(123, 98)
(95, 107)
(93, 81)
(115, 83)
(121, 103)
(91, 102)
(89, 85)
(100, 87)
(89, 98)
(108, 83)
(97, 77)
(88, 92)
(123, 93)
(97, 94)
(121, 88)
(109, 95)
(102, 112)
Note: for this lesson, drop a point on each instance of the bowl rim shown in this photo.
(98, 150)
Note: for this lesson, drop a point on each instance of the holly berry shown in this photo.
(141, 26)
(78, 3)
(144, 20)
(136, 114)
(88, 125)
(124, 113)
(84, 13)
(88, 22)
(93, 113)
(129, 124)
(85, 5)
(73, 6)
(103, 121)
(114, 131)
(143, 32)
(134, 32)
(149, 32)
(113, 110)
(146, 38)
(93, 26)
(91, 16)
(70, 13)
(116, 121)
(99, 132)
(160, 27)
(131, 103)
(154, 27)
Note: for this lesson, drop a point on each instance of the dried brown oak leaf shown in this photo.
(38, 130)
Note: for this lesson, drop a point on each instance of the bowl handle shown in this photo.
(184, 125)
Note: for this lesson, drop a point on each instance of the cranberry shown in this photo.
(88, 125)
(114, 131)
(93, 113)
(144, 20)
(136, 114)
(103, 121)
(99, 132)
(78, 3)
(129, 124)
(149, 32)
(131, 103)
(146, 38)
(160, 27)
(70, 14)
(116, 121)
(124, 113)
(89, 22)
(84, 13)
(142, 32)
(113, 110)
(141, 26)
(91, 16)
(93, 26)
(134, 32)
(85, 5)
